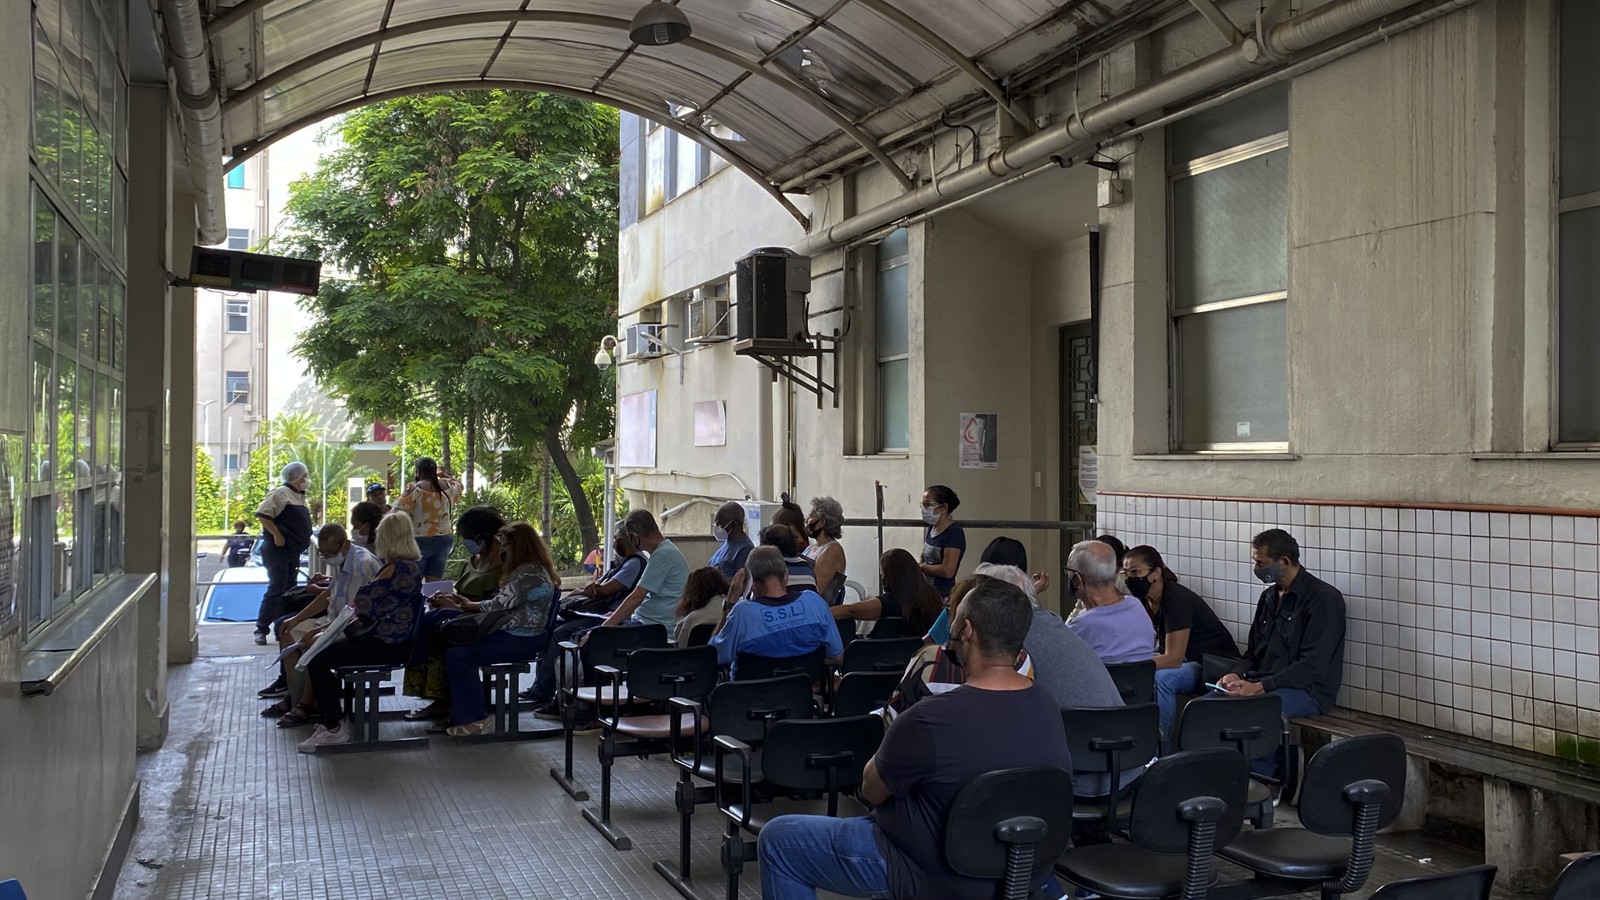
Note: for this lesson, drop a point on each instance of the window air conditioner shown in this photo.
(708, 319)
(770, 287)
(643, 341)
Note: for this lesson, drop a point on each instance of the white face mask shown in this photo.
(337, 559)
(718, 532)
(930, 515)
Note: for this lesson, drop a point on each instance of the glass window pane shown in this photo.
(1234, 375)
(688, 163)
(1230, 231)
(1579, 317)
(655, 170)
(894, 326)
(118, 299)
(1254, 116)
(102, 424)
(236, 177)
(44, 266)
(67, 293)
(895, 245)
(42, 552)
(71, 145)
(42, 398)
(46, 104)
(89, 275)
(1579, 102)
(894, 405)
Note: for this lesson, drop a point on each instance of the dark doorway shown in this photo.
(1078, 424)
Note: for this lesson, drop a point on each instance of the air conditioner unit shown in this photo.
(708, 319)
(770, 287)
(643, 341)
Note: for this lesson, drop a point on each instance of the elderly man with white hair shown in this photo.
(1114, 624)
(286, 519)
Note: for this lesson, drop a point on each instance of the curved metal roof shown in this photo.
(784, 89)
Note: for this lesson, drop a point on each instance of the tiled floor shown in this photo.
(232, 811)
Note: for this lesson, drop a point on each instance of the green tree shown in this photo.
(209, 513)
(290, 438)
(478, 230)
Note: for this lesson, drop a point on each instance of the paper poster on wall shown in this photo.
(1088, 474)
(980, 441)
(636, 430)
(711, 423)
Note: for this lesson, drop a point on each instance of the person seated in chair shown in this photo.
(997, 720)
(701, 606)
(1114, 624)
(777, 620)
(1186, 629)
(584, 611)
(476, 578)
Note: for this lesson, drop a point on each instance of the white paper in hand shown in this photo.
(429, 588)
(334, 632)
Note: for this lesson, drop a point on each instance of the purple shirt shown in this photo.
(1119, 633)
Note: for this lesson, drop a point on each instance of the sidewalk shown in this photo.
(231, 811)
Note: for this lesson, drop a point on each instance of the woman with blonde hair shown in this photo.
(510, 626)
(386, 612)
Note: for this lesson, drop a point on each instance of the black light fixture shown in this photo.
(658, 24)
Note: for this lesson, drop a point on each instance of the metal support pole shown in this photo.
(610, 500)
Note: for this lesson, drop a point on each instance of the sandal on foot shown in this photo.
(300, 715)
(276, 710)
(482, 726)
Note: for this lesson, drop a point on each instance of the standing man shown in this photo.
(286, 519)
(655, 599)
(1297, 638)
(728, 527)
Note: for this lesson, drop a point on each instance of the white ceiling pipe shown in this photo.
(190, 57)
(1206, 74)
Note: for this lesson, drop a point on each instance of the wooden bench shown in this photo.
(1534, 806)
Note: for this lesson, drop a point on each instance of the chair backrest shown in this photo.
(657, 673)
(1580, 880)
(1467, 884)
(889, 627)
(1171, 782)
(972, 846)
(700, 635)
(1326, 805)
(12, 890)
(1251, 725)
(1136, 681)
(889, 655)
(1096, 734)
(864, 692)
(613, 646)
(754, 665)
(804, 754)
(747, 709)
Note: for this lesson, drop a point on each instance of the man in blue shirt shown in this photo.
(775, 621)
(728, 527)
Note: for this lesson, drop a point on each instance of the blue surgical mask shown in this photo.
(473, 547)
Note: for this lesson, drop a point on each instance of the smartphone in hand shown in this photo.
(1218, 687)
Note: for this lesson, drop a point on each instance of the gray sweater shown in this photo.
(1069, 669)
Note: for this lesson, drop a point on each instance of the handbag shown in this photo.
(471, 628)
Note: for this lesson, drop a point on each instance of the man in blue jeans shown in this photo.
(1297, 637)
(997, 720)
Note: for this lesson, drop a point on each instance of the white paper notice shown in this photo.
(980, 441)
(1088, 474)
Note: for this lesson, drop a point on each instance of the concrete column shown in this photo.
(182, 641)
(144, 482)
(1525, 831)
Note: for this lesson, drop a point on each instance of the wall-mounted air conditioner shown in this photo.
(708, 318)
(644, 340)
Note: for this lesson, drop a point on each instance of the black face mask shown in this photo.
(1138, 586)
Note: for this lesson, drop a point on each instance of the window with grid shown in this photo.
(236, 388)
(1577, 386)
(238, 239)
(1229, 252)
(893, 337)
(238, 316)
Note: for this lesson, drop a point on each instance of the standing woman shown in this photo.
(429, 501)
(825, 525)
(944, 541)
(287, 521)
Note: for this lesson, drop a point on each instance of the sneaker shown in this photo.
(279, 688)
(325, 736)
(528, 696)
(261, 639)
(548, 711)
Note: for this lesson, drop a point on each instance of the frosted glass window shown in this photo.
(1580, 102)
(1579, 394)
(1254, 116)
(894, 342)
(1233, 371)
(894, 391)
(1230, 231)
(655, 169)
(894, 326)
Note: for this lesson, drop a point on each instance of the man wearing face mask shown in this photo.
(1297, 637)
(286, 519)
(1113, 624)
(727, 526)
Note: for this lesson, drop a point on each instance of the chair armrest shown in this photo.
(676, 707)
(1202, 809)
(830, 759)
(725, 745)
(1251, 733)
(613, 675)
(566, 649)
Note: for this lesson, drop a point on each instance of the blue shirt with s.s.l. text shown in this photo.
(792, 625)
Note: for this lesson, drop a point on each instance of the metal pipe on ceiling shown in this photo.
(190, 57)
(1209, 73)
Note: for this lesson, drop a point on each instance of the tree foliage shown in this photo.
(209, 512)
(289, 438)
(476, 237)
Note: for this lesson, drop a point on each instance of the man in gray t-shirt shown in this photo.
(1069, 669)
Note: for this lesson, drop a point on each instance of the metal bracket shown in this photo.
(779, 356)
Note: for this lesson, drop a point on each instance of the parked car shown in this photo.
(235, 595)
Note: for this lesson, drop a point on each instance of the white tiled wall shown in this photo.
(1480, 623)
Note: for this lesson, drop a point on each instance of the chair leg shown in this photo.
(563, 776)
(733, 851)
(681, 880)
(602, 822)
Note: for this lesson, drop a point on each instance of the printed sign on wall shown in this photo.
(980, 441)
(636, 430)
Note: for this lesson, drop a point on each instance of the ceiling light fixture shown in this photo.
(658, 24)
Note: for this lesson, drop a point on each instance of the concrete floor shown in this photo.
(230, 810)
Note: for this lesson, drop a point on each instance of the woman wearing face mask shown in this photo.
(286, 519)
(1186, 628)
(825, 525)
(476, 580)
(364, 519)
(944, 541)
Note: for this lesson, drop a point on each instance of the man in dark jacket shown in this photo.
(1297, 638)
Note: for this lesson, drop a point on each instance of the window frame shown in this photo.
(235, 308)
(232, 395)
(881, 265)
(1560, 206)
(1177, 171)
(238, 233)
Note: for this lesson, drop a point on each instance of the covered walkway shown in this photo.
(233, 811)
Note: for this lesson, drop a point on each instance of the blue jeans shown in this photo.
(435, 551)
(1185, 679)
(800, 854)
(544, 679)
(1297, 704)
(283, 573)
(461, 669)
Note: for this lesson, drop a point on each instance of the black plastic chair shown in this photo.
(1009, 825)
(887, 655)
(605, 646)
(1353, 787)
(753, 665)
(654, 674)
(860, 693)
(822, 758)
(700, 635)
(1580, 880)
(743, 710)
(1253, 726)
(1187, 804)
(1108, 740)
(1136, 682)
(1466, 884)
(889, 627)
